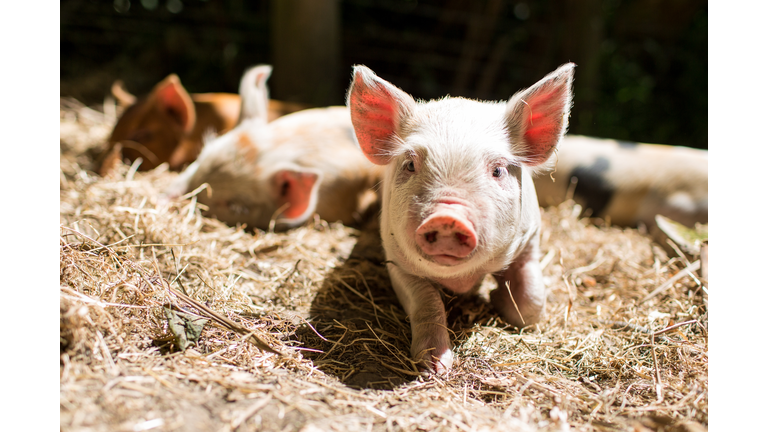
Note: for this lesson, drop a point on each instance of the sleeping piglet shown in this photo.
(279, 174)
(458, 201)
(169, 124)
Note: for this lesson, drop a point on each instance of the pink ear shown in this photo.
(538, 117)
(174, 99)
(297, 188)
(377, 109)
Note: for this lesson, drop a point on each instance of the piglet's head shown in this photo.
(152, 127)
(456, 167)
(278, 198)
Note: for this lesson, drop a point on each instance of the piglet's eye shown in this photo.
(410, 166)
(499, 172)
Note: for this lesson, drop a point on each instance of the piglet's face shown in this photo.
(153, 127)
(454, 194)
(281, 199)
(455, 168)
(250, 182)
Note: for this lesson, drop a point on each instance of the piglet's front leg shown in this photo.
(526, 287)
(430, 342)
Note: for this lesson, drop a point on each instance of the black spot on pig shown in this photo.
(629, 145)
(592, 189)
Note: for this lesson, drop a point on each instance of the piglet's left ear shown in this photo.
(537, 117)
(297, 189)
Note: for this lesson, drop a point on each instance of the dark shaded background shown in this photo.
(642, 64)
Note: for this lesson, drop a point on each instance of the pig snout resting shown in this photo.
(458, 200)
(446, 236)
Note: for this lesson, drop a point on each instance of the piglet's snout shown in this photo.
(447, 236)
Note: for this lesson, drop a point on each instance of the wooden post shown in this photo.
(306, 53)
(582, 46)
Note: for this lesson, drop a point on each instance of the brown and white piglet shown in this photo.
(458, 201)
(280, 173)
(168, 125)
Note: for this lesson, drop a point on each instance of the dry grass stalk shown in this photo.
(669, 282)
(321, 295)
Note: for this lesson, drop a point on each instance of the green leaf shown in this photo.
(186, 328)
(689, 239)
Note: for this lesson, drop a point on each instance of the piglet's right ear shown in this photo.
(378, 109)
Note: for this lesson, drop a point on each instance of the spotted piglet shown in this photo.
(458, 201)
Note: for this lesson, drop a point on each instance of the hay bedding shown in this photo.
(320, 295)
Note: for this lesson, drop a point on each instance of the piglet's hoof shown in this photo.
(431, 364)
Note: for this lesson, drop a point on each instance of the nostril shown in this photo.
(446, 235)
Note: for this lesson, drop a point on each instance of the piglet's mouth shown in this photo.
(447, 260)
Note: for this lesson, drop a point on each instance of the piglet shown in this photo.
(458, 201)
(168, 124)
(629, 183)
(278, 174)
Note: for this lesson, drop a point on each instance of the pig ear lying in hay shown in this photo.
(295, 190)
(537, 117)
